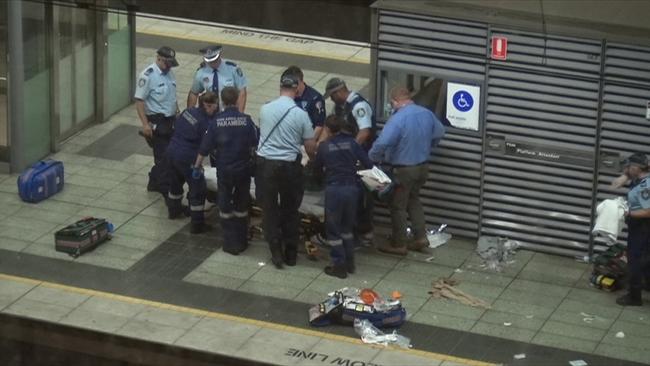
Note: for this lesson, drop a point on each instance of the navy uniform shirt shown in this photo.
(341, 156)
(157, 90)
(234, 135)
(312, 102)
(189, 129)
(638, 198)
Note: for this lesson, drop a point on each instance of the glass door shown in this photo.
(74, 55)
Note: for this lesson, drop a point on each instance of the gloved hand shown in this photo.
(197, 172)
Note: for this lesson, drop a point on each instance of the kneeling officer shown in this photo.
(191, 126)
(234, 136)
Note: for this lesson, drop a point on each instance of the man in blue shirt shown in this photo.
(341, 157)
(405, 145)
(215, 74)
(155, 102)
(310, 100)
(283, 129)
(234, 136)
(181, 154)
(638, 229)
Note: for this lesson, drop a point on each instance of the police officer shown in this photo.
(283, 129)
(155, 102)
(638, 229)
(191, 126)
(341, 156)
(405, 144)
(234, 136)
(214, 74)
(359, 122)
(310, 100)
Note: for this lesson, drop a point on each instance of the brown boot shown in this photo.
(387, 248)
(420, 246)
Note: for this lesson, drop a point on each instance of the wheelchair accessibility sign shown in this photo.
(463, 105)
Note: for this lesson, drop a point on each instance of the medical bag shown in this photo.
(41, 181)
(343, 306)
(82, 236)
(610, 268)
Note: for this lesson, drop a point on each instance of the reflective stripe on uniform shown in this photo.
(226, 215)
(347, 236)
(174, 196)
(196, 207)
(334, 243)
(240, 214)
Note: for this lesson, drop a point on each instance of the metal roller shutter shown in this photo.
(624, 128)
(448, 49)
(541, 123)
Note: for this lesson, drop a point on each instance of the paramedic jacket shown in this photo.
(340, 155)
(234, 135)
(189, 129)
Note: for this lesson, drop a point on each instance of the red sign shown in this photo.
(499, 48)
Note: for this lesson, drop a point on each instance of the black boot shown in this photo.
(290, 256)
(276, 254)
(350, 266)
(632, 298)
(336, 271)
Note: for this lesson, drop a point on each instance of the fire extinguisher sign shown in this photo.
(499, 48)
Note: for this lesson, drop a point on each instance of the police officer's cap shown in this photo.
(638, 158)
(289, 81)
(333, 85)
(211, 53)
(168, 54)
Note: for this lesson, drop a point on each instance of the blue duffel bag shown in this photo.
(41, 181)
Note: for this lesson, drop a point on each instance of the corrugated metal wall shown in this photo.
(453, 49)
(544, 97)
(552, 94)
(624, 129)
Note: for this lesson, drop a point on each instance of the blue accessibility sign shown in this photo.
(463, 100)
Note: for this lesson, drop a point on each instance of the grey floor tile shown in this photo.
(553, 274)
(539, 287)
(385, 287)
(502, 331)
(95, 320)
(453, 308)
(388, 357)
(593, 296)
(11, 291)
(56, 296)
(522, 308)
(210, 342)
(272, 346)
(482, 278)
(36, 212)
(441, 320)
(286, 278)
(86, 181)
(243, 272)
(112, 306)
(134, 242)
(564, 342)
(107, 261)
(310, 297)
(13, 244)
(579, 306)
(151, 331)
(226, 328)
(582, 319)
(631, 337)
(636, 315)
(527, 297)
(168, 317)
(37, 310)
(502, 318)
(278, 290)
(431, 269)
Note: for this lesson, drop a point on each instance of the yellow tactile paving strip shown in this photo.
(242, 320)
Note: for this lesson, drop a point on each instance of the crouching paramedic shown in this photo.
(183, 148)
(341, 156)
(234, 136)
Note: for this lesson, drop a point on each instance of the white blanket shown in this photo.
(610, 215)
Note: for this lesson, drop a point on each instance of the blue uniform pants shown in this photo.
(340, 219)
(178, 173)
(638, 252)
(233, 199)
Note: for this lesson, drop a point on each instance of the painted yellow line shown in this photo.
(238, 319)
(353, 58)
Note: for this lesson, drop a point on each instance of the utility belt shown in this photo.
(161, 124)
(406, 166)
